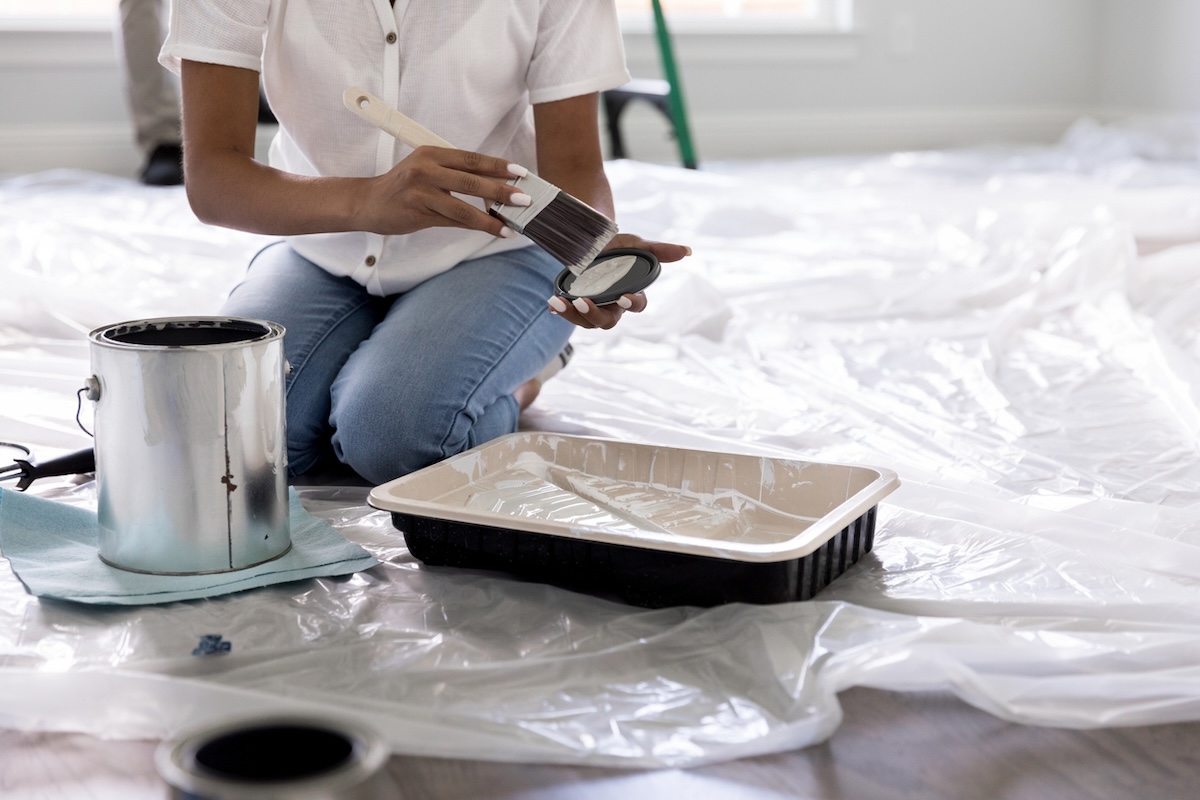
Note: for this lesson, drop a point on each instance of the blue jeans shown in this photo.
(389, 385)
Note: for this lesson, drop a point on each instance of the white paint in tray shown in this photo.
(532, 487)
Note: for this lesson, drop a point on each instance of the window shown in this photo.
(686, 15)
(740, 15)
(56, 14)
(57, 8)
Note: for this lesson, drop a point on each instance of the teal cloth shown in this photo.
(53, 549)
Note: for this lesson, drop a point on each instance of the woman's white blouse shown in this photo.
(469, 70)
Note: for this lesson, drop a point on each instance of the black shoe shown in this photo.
(164, 167)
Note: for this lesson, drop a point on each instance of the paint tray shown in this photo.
(652, 526)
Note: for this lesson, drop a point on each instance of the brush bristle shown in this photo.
(571, 231)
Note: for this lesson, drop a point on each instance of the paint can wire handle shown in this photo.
(90, 390)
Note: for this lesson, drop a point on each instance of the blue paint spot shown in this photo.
(212, 643)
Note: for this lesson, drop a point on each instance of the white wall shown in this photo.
(1151, 55)
(61, 103)
(913, 74)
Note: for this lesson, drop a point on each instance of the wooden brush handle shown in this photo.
(389, 120)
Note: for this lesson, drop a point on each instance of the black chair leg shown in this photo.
(265, 115)
(655, 92)
(614, 104)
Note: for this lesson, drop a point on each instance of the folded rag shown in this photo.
(53, 549)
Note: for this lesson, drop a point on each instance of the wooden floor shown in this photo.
(890, 746)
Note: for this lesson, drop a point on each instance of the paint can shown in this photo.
(277, 758)
(191, 446)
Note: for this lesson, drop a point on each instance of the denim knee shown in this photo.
(382, 449)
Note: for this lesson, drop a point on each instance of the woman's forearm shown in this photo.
(234, 191)
(568, 148)
(227, 187)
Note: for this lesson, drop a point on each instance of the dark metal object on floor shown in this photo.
(26, 471)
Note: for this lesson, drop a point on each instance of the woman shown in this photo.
(416, 323)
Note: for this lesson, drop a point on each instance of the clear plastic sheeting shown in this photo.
(1014, 332)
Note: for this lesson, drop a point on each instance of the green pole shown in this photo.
(678, 114)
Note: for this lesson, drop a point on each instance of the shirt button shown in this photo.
(391, 37)
(370, 261)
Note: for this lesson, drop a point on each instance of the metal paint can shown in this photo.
(277, 758)
(191, 445)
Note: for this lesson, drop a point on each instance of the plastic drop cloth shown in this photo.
(1015, 332)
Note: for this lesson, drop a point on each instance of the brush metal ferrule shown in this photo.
(517, 217)
(564, 226)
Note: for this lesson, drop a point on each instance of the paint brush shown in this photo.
(565, 227)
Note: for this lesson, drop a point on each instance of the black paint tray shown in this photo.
(654, 526)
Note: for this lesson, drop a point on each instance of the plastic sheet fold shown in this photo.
(1013, 331)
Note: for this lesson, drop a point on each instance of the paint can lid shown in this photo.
(612, 274)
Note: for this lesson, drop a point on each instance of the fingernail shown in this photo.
(520, 199)
(580, 305)
(518, 170)
(507, 232)
(558, 304)
(687, 250)
(624, 302)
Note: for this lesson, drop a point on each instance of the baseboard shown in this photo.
(109, 148)
(731, 136)
(98, 147)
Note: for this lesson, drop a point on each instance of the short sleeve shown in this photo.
(228, 32)
(578, 51)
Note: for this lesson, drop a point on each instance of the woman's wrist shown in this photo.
(350, 206)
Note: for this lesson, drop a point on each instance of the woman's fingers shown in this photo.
(476, 175)
(432, 187)
(444, 210)
(633, 302)
(663, 251)
(586, 314)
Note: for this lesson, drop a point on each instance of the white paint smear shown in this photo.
(535, 488)
(601, 277)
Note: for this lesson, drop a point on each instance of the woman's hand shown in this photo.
(568, 156)
(586, 314)
(417, 193)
